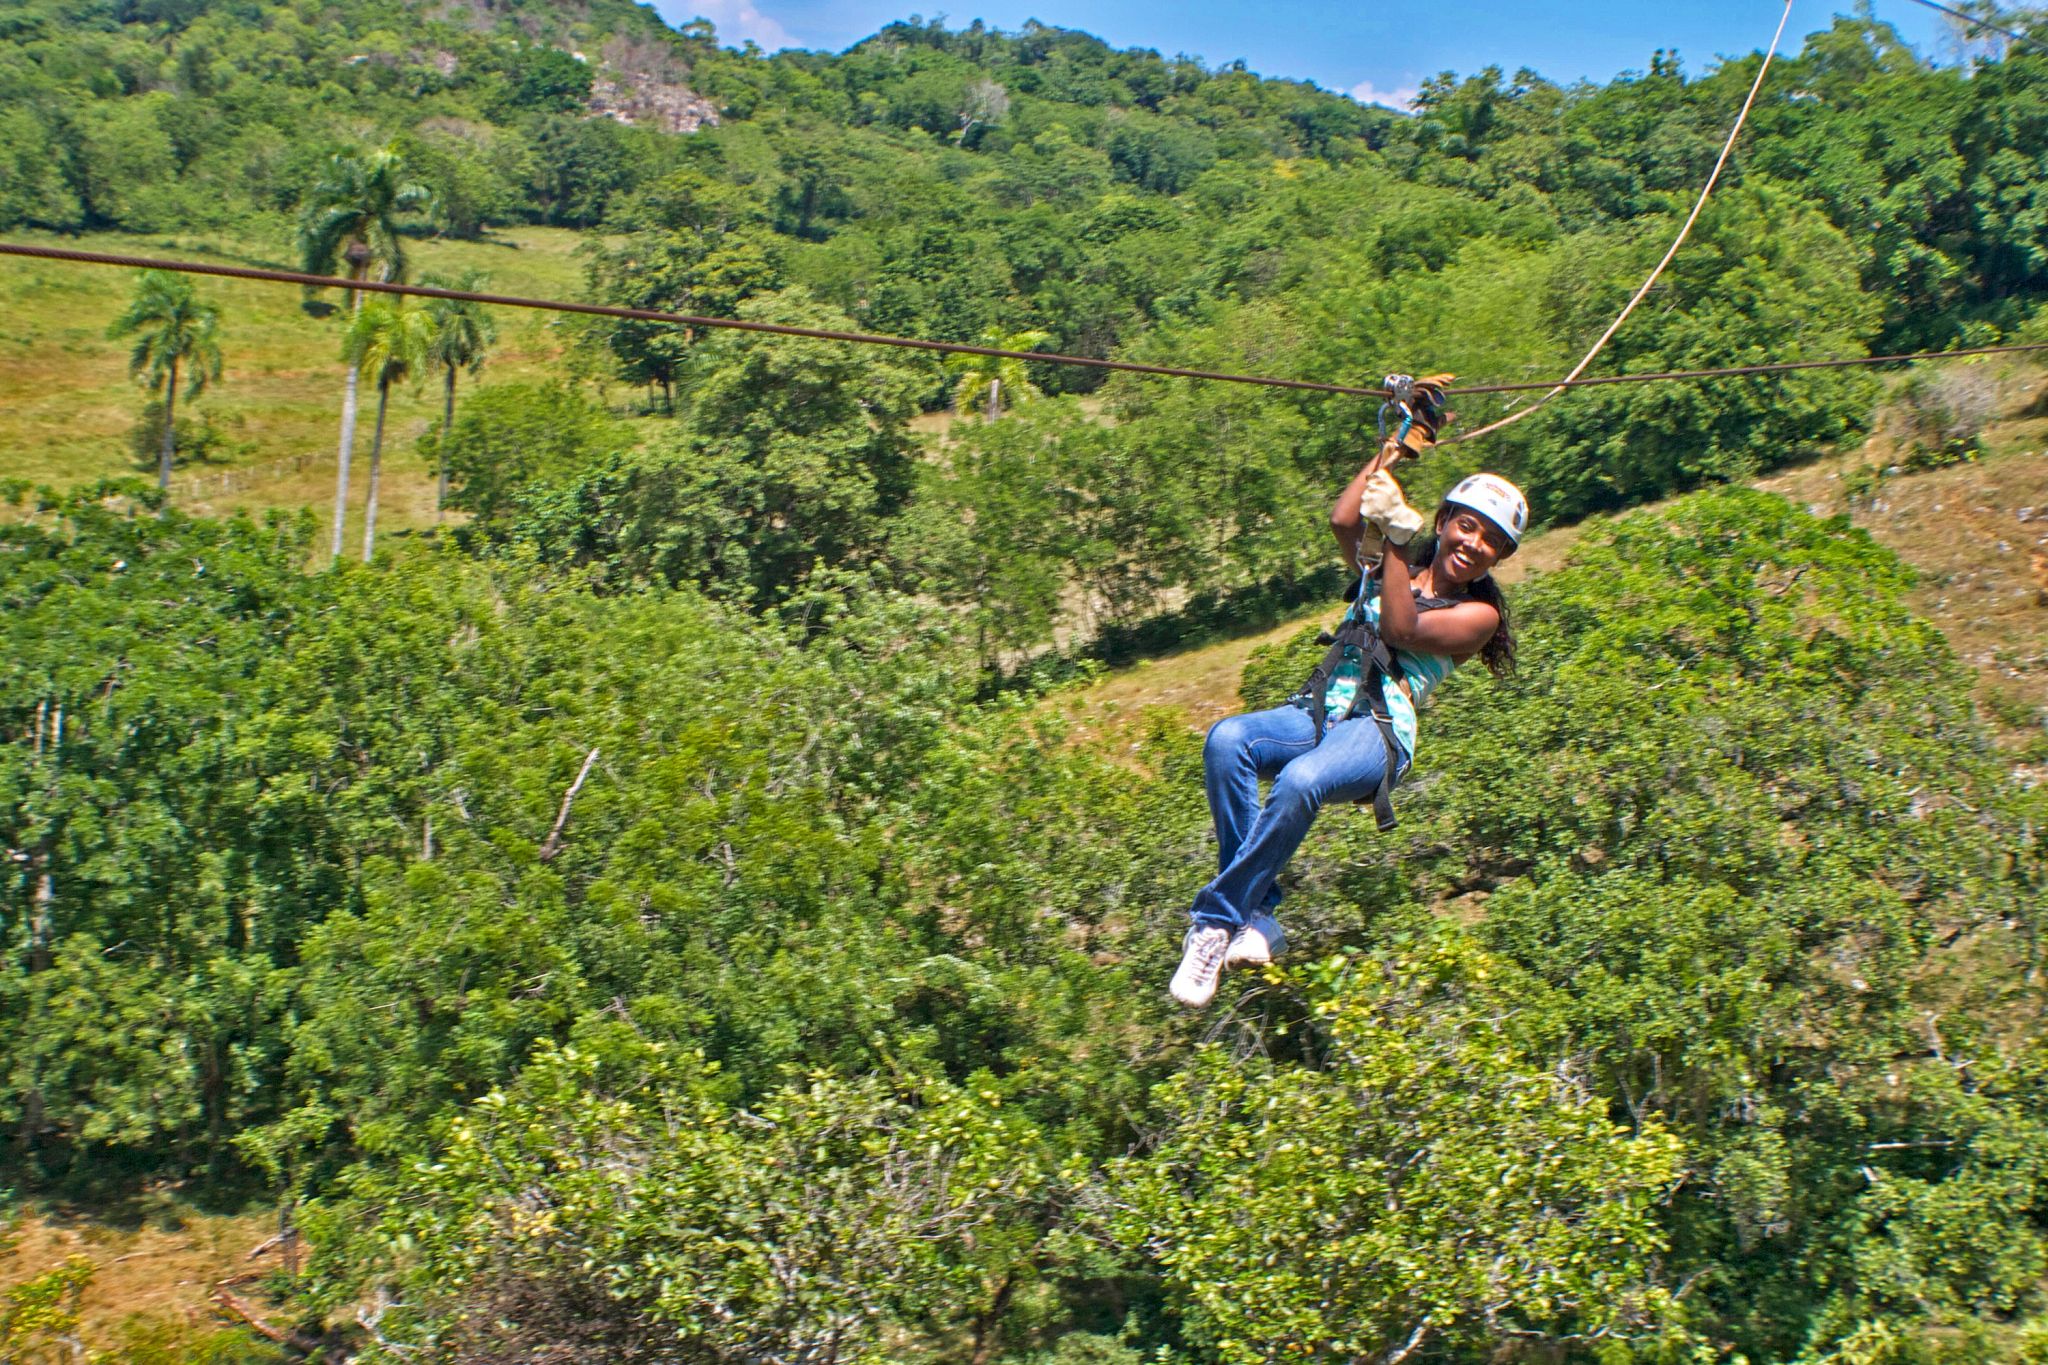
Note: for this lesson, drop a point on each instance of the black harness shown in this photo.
(1380, 660)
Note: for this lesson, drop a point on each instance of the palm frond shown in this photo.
(463, 331)
(323, 235)
(173, 327)
(388, 340)
(360, 200)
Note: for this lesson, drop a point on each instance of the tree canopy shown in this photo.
(670, 916)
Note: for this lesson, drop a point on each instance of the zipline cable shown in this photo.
(1975, 22)
(1727, 150)
(1555, 387)
(426, 291)
(1769, 367)
(237, 272)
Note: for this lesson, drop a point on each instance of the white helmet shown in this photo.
(1499, 501)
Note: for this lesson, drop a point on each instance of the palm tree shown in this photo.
(352, 217)
(991, 376)
(390, 340)
(176, 329)
(463, 332)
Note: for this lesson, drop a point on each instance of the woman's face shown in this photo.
(1468, 546)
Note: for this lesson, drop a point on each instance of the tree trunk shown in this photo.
(214, 1103)
(447, 427)
(376, 463)
(163, 464)
(995, 399)
(987, 1338)
(348, 430)
(42, 921)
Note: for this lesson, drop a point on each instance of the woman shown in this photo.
(1434, 617)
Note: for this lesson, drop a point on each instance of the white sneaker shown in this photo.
(1201, 963)
(1248, 948)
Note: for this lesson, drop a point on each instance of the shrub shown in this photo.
(511, 435)
(1937, 417)
(1275, 671)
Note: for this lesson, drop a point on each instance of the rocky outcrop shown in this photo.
(646, 82)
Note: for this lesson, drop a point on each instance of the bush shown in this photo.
(1275, 671)
(1088, 1348)
(593, 1215)
(511, 435)
(1937, 417)
(197, 439)
(1437, 1179)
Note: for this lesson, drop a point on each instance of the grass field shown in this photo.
(156, 1264)
(67, 405)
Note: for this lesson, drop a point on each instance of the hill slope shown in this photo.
(67, 407)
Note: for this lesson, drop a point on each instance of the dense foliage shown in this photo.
(1739, 1052)
(644, 925)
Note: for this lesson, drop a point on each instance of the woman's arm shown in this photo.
(1459, 631)
(1345, 522)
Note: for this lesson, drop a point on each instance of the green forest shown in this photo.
(674, 899)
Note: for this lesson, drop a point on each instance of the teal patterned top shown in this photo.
(1421, 671)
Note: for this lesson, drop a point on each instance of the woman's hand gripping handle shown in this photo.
(1372, 512)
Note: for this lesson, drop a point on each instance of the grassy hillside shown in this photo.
(1978, 535)
(158, 1264)
(67, 406)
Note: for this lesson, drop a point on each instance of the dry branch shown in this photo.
(291, 1339)
(553, 843)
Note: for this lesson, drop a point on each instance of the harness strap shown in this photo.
(1379, 668)
(1355, 632)
(1351, 634)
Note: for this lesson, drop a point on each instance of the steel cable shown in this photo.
(68, 254)
(426, 291)
(1699, 207)
(1975, 22)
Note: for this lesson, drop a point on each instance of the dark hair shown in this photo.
(1498, 653)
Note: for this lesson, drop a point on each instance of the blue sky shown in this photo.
(1375, 49)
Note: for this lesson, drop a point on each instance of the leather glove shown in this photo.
(1419, 405)
(1385, 513)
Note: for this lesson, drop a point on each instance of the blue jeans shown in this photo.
(1254, 842)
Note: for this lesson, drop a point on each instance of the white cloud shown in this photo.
(736, 20)
(1365, 92)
